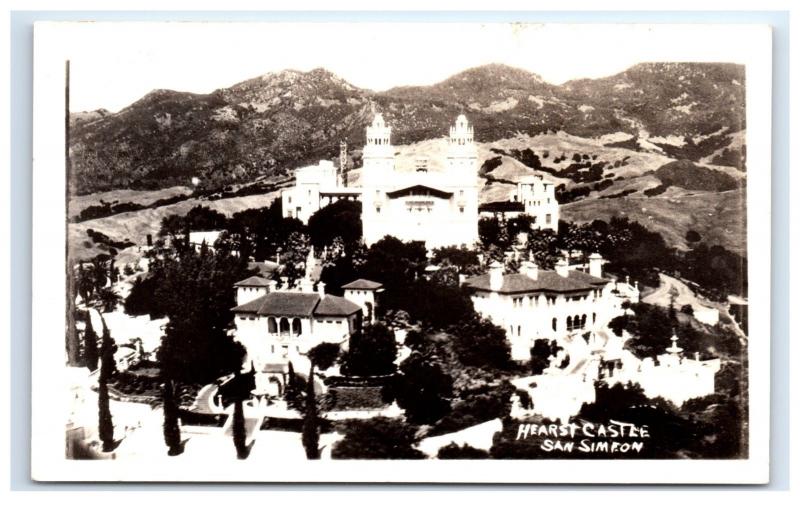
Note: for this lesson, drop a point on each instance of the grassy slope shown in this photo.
(136, 225)
(719, 217)
(80, 202)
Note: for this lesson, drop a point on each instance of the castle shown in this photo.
(437, 207)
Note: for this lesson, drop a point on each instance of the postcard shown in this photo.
(401, 252)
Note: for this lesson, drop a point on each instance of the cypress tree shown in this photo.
(239, 437)
(172, 430)
(89, 344)
(107, 367)
(310, 422)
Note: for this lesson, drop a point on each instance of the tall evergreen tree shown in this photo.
(239, 436)
(89, 344)
(310, 421)
(107, 368)
(172, 429)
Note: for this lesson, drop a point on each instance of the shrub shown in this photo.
(423, 389)
(372, 351)
(453, 451)
(377, 438)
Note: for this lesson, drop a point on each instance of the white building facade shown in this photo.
(538, 198)
(315, 187)
(542, 304)
(437, 207)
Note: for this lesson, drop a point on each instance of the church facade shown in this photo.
(439, 208)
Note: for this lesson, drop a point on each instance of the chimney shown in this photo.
(562, 268)
(596, 265)
(495, 276)
(321, 289)
(530, 269)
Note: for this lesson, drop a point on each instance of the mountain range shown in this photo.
(265, 127)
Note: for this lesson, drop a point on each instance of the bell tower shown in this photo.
(378, 155)
(462, 155)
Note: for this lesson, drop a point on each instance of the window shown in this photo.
(377, 209)
(289, 200)
(461, 193)
(555, 324)
(533, 219)
(594, 318)
(548, 218)
(460, 209)
(272, 327)
(296, 327)
(284, 325)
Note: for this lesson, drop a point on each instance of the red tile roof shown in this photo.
(253, 281)
(299, 304)
(547, 281)
(336, 306)
(363, 284)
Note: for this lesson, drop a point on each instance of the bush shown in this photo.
(453, 451)
(377, 438)
(372, 351)
(423, 389)
(480, 343)
(475, 409)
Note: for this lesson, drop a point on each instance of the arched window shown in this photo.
(296, 327)
(555, 324)
(583, 321)
(519, 330)
(569, 323)
(272, 326)
(284, 324)
(594, 318)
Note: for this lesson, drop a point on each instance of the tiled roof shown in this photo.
(363, 284)
(336, 306)
(294, 304)
(547, 281)
(299, 304)
(253, 281)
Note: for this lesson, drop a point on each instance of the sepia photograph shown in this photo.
(382, 246)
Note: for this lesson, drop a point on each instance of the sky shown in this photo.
(113, 65)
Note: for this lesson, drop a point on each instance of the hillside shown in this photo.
(269, 125)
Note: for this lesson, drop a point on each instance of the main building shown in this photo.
(437, 207)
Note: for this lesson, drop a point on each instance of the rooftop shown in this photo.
(363, 284)
(253, 281)
(546, 281)
(299, 304)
